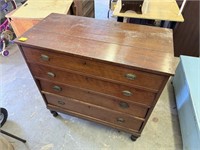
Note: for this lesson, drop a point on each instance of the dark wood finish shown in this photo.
(135, 5)
(110, 73)
(76, 114)
(95, 98)
(94, 30)
(108, 115)
(179, 2)
(90, 67)
(146, 47)
(101, 100)
(186, 34)
(138, 96)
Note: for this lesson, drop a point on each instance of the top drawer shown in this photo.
(94, 67)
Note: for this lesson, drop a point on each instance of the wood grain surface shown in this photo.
(144, 80)
(97, 112)
(149, 48)
(80, 66)
(104, 87)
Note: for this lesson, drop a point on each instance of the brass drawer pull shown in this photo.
(120, 120)
(130, 76)
(123, 105)
(50, 74)
(127, 93)
(57, 88)
(61, 102)
(44, 57)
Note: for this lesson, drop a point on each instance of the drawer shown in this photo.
(97, 68)
(97, 99)
(100, 113)
(108, 88)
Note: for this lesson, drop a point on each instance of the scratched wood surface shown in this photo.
(148, 48)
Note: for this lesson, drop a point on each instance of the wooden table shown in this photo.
(33, 11)
(166, 10)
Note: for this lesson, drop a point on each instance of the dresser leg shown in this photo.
(133, 138)
(54, 113)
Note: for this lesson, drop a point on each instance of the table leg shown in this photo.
(120, 19)
(172, 24)
(168, 24)
(162, 23)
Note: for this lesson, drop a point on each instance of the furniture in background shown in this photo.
(163, 10)
(112, 4)
(84, 8)
(33, 11)
(186, 84)
(109, 73)
(135, 5)
(186, 34)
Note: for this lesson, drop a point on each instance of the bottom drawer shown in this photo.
(106, 115)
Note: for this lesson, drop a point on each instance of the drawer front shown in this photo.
(97, 99)
(117, 90)
(106, 115)
(96, 68)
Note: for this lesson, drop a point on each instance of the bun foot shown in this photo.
(133, 138)
(54, 113)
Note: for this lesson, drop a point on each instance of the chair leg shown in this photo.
(13, 136)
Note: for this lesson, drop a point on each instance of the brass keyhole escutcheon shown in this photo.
(124, 105)
(61, 102)
(120, 120)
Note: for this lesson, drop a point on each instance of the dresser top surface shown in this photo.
(148, 48)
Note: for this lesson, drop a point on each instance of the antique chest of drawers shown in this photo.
(107, 72)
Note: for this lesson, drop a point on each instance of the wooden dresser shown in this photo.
(107, 72)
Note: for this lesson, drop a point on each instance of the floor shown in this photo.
(29, 119)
